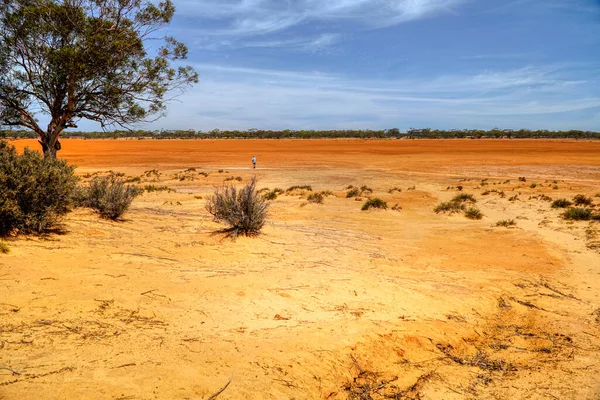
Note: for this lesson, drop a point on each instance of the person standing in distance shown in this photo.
(254, 162)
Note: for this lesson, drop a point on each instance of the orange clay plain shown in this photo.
(329, 302)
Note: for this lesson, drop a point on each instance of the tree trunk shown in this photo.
(50, 144)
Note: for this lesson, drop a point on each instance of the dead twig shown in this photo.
(216, 394)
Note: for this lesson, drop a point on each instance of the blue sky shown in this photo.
(324, 64)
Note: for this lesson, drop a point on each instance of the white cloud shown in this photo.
(257, 17)
(243, 98)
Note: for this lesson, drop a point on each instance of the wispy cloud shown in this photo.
(242, 98)
(258, 17)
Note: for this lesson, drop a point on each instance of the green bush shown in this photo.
(506, 223)
(35, 192)
(578, 214)
(316, 198)
(561, 203)
(353, 191)
(473, 213)
(464, 197)
(374, 203)
(108, 195)
(244, 210)
(581, 200)
(299, 188)
(449, 206)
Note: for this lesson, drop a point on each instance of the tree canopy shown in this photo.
(86, 59)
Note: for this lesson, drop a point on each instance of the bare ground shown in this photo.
(330, 302)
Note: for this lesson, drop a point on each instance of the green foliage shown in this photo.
(317, 198)
(354, 191)
(449, 207)
(473, 213)
(506, 223)
(86, 59)
(244, 210)
(299, 188)
(578, 214)
(464, 197)
(582, 200)
(154, 188)
(272, 195)
(34, 192)
(4, 249)
(109, 196)
(374, 203)
(561, 203)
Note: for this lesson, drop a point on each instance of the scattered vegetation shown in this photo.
(299, 188)
(231, 178)
(358, 191)
(561, 203)
(271, 194)
(514, 198)
(578, 214)
(582, 200)
(244, 210)
(134, 179)
(35, 192)
(473, 213)
(449, 207)
(395, 189)
(154, 188)
(374, 203)
(316, 198)
(464, 197)
(522, 179)
(108, 195)
(506, 223)
(4, 249)
(396, 207)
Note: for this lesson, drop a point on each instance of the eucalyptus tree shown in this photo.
(87, 59)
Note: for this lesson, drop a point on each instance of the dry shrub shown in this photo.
(316, 198)
(108, 195)
(374, 203)
(244, 210)
(35, 192)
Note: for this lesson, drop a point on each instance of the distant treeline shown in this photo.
(315, 134)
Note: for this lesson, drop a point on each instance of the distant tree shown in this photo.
(85, 59)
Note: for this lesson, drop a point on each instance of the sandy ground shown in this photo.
(330, 302)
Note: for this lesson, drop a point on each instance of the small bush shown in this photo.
(316, 198)
(581, 200)
(578, 214)
(109, 196)
(231, 178)
(514, 198)
(299, 188)
(154, 188)
(473, 213)
(243, 210)
(449, 206)
(533, 185)
(397, 207)
(459, 188)
(597, 194)
(358, 191)
(561, 203)
(374, 203)
(35, 192)
(354, 192)
(506, 223)
(4, 249)
(271, 195)
(395, 189)
(522, 179)
(134, 179)
(464, 197)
